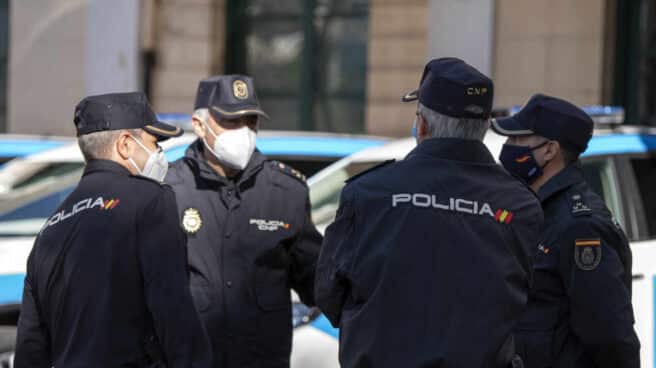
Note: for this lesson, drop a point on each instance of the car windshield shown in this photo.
(48, 173)
(23, 211)
(324, 193)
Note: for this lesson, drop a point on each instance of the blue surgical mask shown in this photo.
(520, 161)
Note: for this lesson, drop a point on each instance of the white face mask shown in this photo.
(233, 147)
(156, 166)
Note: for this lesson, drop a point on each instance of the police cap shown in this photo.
(454, 88)
(204, 91)
(228, 97)
(115, 111)
(551, 118)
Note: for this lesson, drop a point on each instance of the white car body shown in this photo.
(315, 343)
(18, 186)
(326, 182)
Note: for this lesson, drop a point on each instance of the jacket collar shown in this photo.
(94, 166)
(195, 152)
(455, 149)
(570, 175)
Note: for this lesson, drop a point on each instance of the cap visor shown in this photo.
(411, 96)
(219, 113)
(509, 127)
(163, 131)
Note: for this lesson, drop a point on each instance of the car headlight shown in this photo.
(303, 315)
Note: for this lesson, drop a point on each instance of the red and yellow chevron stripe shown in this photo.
(111, 204)
(503, 216)
(522, 159)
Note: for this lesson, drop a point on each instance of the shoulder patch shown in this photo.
(579, 206)
(587, 253)
(375, 167)
(286, 169)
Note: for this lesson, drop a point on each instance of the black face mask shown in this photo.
(520, 161)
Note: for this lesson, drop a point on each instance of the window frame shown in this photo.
(238, 26)
(5, 11)
(634, 203)
(629, 196)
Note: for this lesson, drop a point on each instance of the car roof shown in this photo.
(279, 143)
(604, 142)
(16, 145)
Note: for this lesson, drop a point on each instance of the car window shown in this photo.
(41, 208)
(600, 175)
(28, 218)
(50, 172)
(645, 174)
(324, 194)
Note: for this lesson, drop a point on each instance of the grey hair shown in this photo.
(443, 126)
(98, 145)
(203, 115)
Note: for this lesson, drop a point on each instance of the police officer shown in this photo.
(106, 283)
(427, 263)
(250, 235)
(579, 312)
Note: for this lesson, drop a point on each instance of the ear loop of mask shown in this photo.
(547, 162)
(415, 122)
(216, 136)
(144, 148)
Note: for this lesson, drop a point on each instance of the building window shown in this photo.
(634, 69)
(4, 61)
(308, 59)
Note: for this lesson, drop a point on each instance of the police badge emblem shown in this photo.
(240, 89)
(191, 221)
(587, 253)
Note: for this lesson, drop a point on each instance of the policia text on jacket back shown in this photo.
(250, 235)
(427, 263)
(579, 312)
(106, 282)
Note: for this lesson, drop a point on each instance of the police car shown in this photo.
(32, 187)
(16, 145)
(620, 164)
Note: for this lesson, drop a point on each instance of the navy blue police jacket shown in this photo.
(250, 239)
(106, 282)
(428, 261)
(579, 312)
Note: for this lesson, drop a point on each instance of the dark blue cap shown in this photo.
(228, 97)
(454, 88)
(115, 111)
(551, 118)
(204, 91)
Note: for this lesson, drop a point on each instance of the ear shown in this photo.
(199, 128)
(553, 150)
(123, 147)
(422, 127)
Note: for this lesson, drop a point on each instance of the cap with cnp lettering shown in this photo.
(115, 111)
(228, 97)
(551, 118)
(454, 88)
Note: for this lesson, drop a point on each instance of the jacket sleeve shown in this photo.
(601, 311)
(304, 253)
(32, 341)
(162, 256)
(331, 284)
